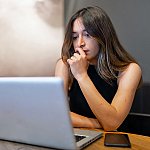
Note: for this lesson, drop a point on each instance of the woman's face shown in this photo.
(81, 39)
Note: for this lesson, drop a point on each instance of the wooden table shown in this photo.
(138, 142)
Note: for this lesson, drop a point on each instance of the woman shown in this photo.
(99, 75)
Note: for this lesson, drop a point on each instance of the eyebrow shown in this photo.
(77, 32)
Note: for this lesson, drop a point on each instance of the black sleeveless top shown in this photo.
(78, 103)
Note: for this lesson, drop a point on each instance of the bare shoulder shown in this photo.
(60, 64)
(134, 67)
(131, 69)
(131, 75)
(61, 68)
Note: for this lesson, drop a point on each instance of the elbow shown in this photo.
(110, 126)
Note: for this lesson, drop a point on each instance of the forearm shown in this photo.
(99, 106)
(84, 122)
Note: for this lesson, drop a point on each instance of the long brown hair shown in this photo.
(112, 56)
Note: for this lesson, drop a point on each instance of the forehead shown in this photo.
(78, 25)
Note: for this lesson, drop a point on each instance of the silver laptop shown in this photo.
(35, 110)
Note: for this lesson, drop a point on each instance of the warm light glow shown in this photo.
(31, 34)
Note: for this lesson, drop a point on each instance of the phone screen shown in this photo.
(117, 140)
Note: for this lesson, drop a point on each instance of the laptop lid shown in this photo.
(34, 110)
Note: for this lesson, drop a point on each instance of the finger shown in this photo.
(73, 57)
(81, 52)
(77, 55)
(69, 61)
(76, 50)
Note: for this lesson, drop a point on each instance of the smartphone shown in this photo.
(117, 140)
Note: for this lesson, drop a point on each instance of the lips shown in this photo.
(85, 51)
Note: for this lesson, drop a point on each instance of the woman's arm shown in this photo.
(112, 115)
(61, 70)
(85, 122)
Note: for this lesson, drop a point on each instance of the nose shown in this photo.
(81, 42)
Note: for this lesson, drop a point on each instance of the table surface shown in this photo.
(138, 142)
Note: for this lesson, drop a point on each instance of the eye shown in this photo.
(86, 34)
(74, 36)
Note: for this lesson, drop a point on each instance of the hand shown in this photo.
(84, 122)
(78, 63)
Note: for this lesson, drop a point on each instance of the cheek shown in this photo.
(95, 47)
(95, 52)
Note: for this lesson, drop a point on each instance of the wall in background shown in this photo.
(31, 35)
(131, 21)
